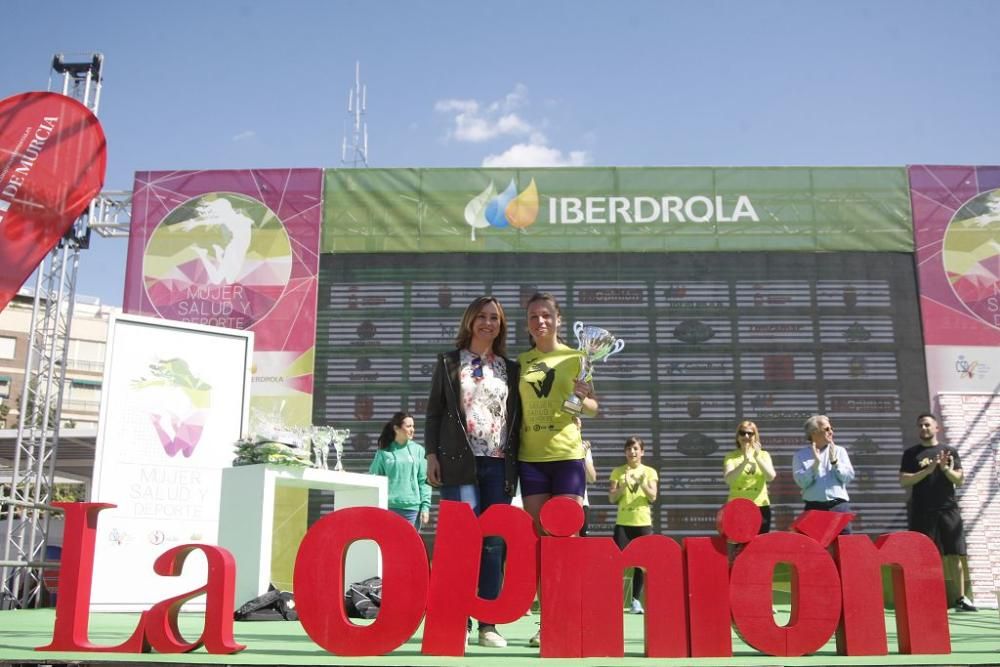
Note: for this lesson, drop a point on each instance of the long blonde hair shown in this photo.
(745, 425)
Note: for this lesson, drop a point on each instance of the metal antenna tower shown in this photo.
(357, 107)
(27, 503)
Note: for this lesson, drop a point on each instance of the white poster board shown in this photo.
(971, 424)
(962, 369)
(175, 401)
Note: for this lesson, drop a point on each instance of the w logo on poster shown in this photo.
(178, 404)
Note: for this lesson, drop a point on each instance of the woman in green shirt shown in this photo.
(403, 461)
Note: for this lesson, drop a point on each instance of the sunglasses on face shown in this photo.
(477, 367)
(748, 434)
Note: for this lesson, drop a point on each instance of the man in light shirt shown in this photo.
(823, 469)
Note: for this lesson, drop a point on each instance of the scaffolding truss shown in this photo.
(111, 213)
(26, 503)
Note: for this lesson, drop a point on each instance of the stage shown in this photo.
(975, 639)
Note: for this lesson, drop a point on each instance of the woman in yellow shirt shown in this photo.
(748, 470)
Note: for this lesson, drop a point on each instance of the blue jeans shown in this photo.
(413, 516)
(488, 491)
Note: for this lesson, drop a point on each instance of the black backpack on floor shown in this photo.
(274, 605)
(363, 599)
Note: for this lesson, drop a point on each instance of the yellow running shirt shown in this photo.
(547, 379)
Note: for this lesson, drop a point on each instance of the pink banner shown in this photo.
(236, 249)
(956, 218)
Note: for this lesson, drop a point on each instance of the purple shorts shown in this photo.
(554, 478)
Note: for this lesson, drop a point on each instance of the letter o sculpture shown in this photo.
(816, 599)
(319, 581)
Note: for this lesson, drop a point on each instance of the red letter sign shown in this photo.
(319, 581)
(160, 622)
(918, 585)
(815, 594)
(455, 574)
(157, 629)
(582, 590)
(76, 573)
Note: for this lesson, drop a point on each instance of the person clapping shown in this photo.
(633, 488)
(748, 470)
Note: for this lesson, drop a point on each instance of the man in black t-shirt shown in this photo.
(931, 471)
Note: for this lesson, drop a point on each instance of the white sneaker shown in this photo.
(636, 607)
(492, 639)
(536, 639)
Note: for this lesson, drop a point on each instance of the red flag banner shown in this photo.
(52, 162)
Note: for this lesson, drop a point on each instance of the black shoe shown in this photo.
(964, 604)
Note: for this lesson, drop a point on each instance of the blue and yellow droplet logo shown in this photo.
(506, 209)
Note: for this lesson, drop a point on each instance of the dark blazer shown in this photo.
(445, 435)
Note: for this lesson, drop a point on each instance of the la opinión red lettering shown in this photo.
(693, 596)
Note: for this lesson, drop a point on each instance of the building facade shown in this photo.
(84, 365)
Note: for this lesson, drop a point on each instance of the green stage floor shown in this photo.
(975, 639)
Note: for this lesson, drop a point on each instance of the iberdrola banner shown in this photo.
(617, 210)
(236, 249)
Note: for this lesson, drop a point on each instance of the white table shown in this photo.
(246, 518)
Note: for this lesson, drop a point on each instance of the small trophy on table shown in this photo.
(595, 344)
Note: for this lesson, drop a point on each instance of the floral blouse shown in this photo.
(484, 401)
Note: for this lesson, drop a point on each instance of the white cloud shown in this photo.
(244, 135)
(536, 155)
(517, 97)
(477, 122)
(476, 129)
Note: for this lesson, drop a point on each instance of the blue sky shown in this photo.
(240, 84)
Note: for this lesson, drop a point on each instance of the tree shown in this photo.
(30, 407)
(68, 493)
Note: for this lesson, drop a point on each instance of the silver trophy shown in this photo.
(596, 344)
(337, 438)
(322, 439)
